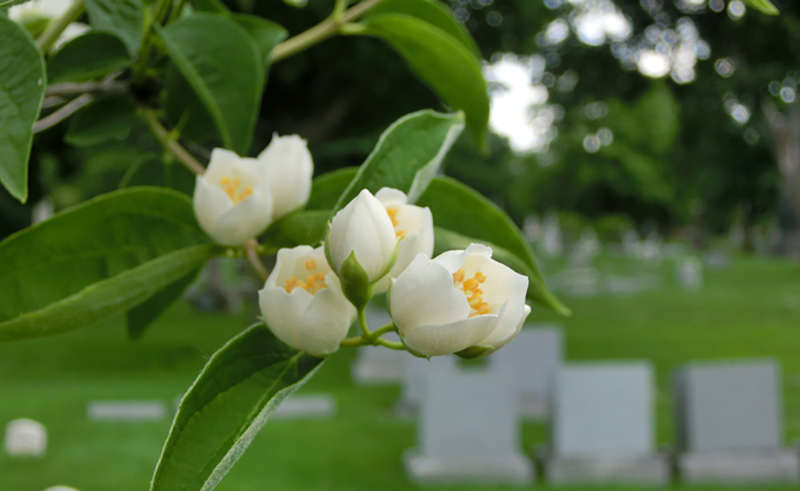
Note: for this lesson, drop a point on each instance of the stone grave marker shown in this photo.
(551, 236)
(378, 364)
(468, 431)
(729, 421)
(689, 273)
(415, 374)
(603, 426)
(530, 362)
(25, 438)
(306, 406)
(126, 411)
(61, 487)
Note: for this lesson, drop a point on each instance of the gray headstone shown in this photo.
(126, 410)
(468, 431)
(306, 406)
(530, 363)
(729, 422)
(551, 236)
(603, 425)
(729, 406)
(25, 438)
(604, 408)
(689, 273)
(377, 364)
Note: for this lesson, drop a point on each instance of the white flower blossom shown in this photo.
(287, 167)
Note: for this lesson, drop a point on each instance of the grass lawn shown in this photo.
(751, 309)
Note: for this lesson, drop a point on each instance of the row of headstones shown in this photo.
(728, 417)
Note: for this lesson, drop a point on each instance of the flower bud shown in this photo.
(302, 302)
(362, 228)
(287, 167)
(231, 201)
(413, 226)
(458, 300)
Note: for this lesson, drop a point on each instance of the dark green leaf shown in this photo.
(764, 6)
(229, 402)
(22, 86)
(441, 61)
(232, 97)
(462, 210)
(266, 34)
(432, 12)
(109, 118)
(407, 156)
(143, 314)
(96, 260)
(297, 228)
(122, 18)
(87, 57)
(326, 189)
(209, 6)
(152, 171)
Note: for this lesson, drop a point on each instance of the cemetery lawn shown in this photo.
(751, 309)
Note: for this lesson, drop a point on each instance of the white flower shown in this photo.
(231, 200)
(303, 304)
(287, 167)
(413, 226)
(458, 300)
(363, 228)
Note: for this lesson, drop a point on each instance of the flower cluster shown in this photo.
(461, 301)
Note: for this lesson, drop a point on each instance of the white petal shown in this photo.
(287, 167)
(209, 202)
(424, 294)
(391, 196)
(221, 164)
(244, 220)
(503, 334)
(436, 340)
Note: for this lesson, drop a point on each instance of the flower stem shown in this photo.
(383, 330)
(169, 143)
(251, 249)
(321, 31)
(362, 323)
(62, 113)
(391, 344)
(354, 342)
(56, 26)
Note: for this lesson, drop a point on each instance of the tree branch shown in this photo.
(169, 143)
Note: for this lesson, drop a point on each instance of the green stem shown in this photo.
(169, 143)
(362, 323)
(321, 31)
(354, 342)
(391, 344)
(251, 249)
(383, 330)
(56, 26)
(176, 11)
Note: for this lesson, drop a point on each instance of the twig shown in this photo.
(251, 247)
(321, 31)
(170, 144)
(70, 88)
(56, 26)
(60, 115)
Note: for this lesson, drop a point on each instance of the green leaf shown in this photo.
(87, 57)
(462, 210)
(209, 6)
(22, 87)
(109, 118)
(439, 59)
(140, 317)
(266, 34)
(432, 12)
(297, 228)
(122, 18)
(232, 97)
(407, 156)
(326, 189)
(763, 6)
(96, 260)
(229, 402)
(150, 170)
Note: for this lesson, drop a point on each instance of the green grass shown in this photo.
(751, 309)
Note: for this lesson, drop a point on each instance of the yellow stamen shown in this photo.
(473, 292)
(392, 211)
(234, 189)
(312, 283)
(458, 276)
(310, 264)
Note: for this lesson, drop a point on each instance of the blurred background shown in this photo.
(649, 149)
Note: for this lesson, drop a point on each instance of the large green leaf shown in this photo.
(300, 227)
(96, 260)
(87, 57)
(764, 6)
(229, 402)
(141, 316)
(440, 60)
(122, 18)
(108, 118)
(432, 12)
(265, 33)
(231, 96)
(22, 86)
(460, 209)
(326, 189)
(407, 156)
